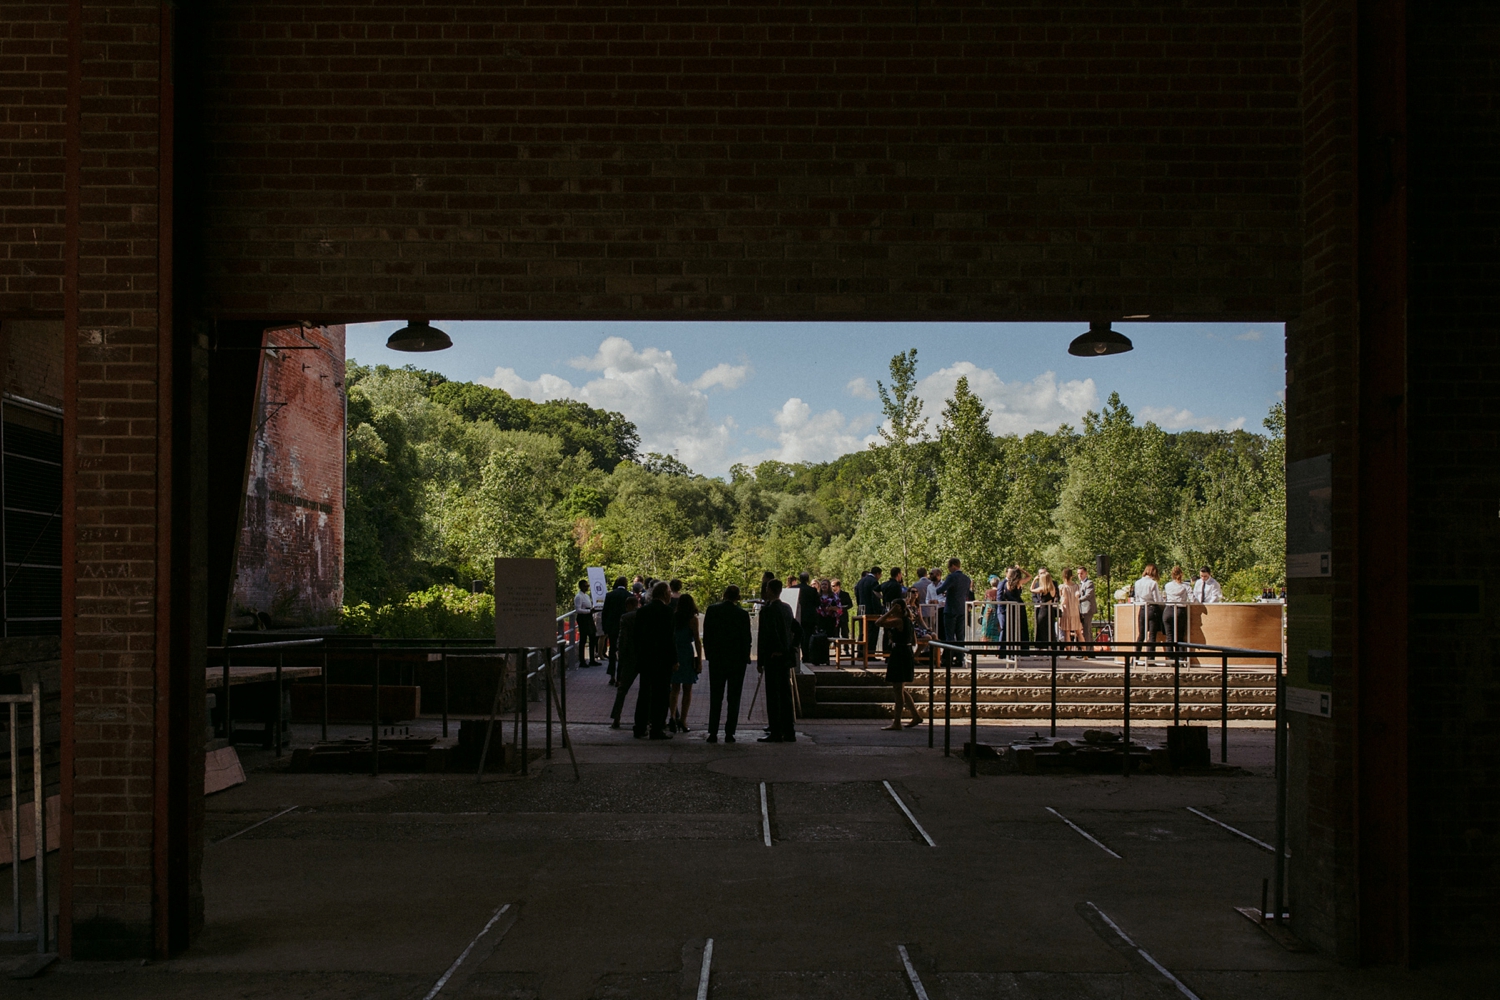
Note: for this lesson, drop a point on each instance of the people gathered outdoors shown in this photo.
(657, 640)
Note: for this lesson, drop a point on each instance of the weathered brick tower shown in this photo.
(178, 178)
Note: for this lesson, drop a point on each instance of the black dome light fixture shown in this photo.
(418, 336)
(1099, 341)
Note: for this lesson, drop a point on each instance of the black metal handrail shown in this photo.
(443, 648)
(973, 650)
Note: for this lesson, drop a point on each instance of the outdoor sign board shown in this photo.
(1309, 517)
(598, 588)
(525, 603)
(1309, 647)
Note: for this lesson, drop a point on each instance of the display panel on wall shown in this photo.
(31, 527)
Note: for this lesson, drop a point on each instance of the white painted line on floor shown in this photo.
(1084, 834)
(911, 972)
(708, 957)
(765, 815)
(465, 954)
(1238, 833)
(1181, 986)
(930, 841)
(263, 822)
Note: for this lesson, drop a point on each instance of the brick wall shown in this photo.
(33, 96)
(1321, 398)
(827, 158)
(1455, 532)
(123, 837)
(32, 354)
(291, 553)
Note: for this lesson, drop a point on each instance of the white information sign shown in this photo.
(598, 587)
(1309, 702)
(525, 603)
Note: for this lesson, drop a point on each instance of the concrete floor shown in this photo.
(372, 888)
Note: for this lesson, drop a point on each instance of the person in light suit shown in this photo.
(1086, 603)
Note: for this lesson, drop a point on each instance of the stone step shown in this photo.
(1069, 678)
(827, 695)
(1100, 711)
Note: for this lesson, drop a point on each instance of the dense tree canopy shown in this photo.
(445, 476)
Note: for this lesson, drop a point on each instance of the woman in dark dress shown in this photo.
(1044, 595)
(900, 664)
(1012, 591)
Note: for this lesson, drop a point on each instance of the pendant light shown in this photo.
(1100, 340)
(418, 335)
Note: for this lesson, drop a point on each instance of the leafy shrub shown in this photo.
(442, 612)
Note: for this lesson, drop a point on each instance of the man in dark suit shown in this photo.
(807, 611)
(614, 608)
(655, 656)
(777, 641)
(629, 669)
(956, 590)
(726, 645)
(868, 602)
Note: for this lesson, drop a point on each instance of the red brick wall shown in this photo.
(774, 158)
(291, 555)
(33, 96)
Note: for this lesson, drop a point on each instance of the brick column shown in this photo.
(132, 771)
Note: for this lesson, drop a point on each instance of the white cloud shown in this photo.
(860, 388)
(1248, 335)
(671, 415)
(804, 436)
(1176, 420)
(1018, 407)
(724, 374)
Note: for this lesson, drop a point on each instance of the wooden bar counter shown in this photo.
(1244, 626)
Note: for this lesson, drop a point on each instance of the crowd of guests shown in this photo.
(659, 640)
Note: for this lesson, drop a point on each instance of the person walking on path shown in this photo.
(900, 666)
(957, 589)
(622, 653)
(689, 660)
(726, 645)
(1086, 607)
(656, 655)
(777, 642)
(614, 608)
(1071, 624)
(583, 614)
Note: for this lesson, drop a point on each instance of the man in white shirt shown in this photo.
(1206, 589)
(1148, 618)
(588, 636)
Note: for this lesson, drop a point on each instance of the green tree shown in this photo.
(1120, 496)
(897, 510)
(970, 491)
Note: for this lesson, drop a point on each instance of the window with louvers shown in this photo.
(31, 468)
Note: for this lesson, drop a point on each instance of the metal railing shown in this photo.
(439, 651)
(1129, 650)
(39, 818)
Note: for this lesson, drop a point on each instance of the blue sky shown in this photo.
(718, 393)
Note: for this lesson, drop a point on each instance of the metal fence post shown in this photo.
(444, 655)
(15, 821)
(1281, 786)
(947, 701)
(280, 660)
(547, 704)
(932, 662)
(973, 715)
(375, 718)
(562, 690)
(523, 660)
(325, 693)
(1224, 709)
(1125, 766)
(1054, 691)
(39, 814)
(228, 716)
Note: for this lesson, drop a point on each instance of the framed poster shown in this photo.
(525, 603)
(1309, 654)
(1309, 517)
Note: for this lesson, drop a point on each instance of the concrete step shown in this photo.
(1100, 711)
(1069, 677)
(1042, 693)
